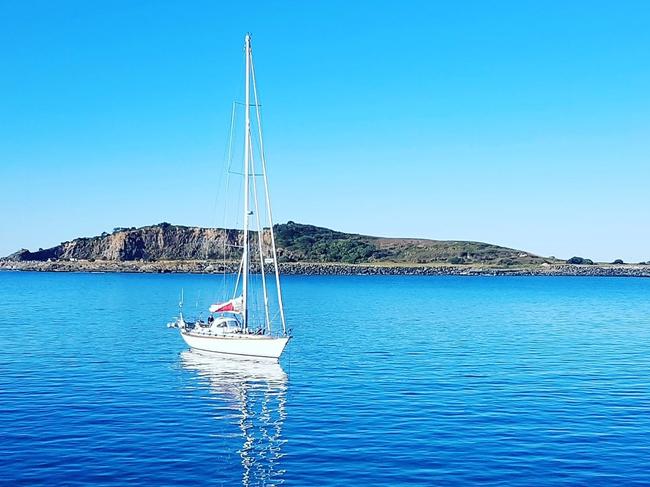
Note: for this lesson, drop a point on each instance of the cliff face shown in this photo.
(157, 242)
(296, 243)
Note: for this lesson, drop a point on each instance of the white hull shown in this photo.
(244, 346)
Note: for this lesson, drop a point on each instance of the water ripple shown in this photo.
(389, 380)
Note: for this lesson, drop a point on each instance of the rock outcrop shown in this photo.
(156, 242)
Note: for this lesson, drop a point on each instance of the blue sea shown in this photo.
(388, 381)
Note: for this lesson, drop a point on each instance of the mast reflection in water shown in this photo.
(257, 392)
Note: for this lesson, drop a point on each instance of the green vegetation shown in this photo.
(317, 244)
(309, 243)
(580, 260)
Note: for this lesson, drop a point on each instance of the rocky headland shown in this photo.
(302, 249)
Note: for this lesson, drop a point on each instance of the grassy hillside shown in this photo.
(300, 243)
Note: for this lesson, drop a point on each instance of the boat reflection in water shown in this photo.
(257, 391)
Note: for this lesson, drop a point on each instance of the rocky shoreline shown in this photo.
(307, 268)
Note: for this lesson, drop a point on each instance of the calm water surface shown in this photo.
(389, 381)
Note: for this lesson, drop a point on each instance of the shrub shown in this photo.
(456, 260)
(576, 260)
(618, 261)
(311, 243)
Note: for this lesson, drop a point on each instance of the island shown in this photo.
(302, 249)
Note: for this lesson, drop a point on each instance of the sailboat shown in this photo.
(231, 328)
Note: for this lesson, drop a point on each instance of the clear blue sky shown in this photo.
(525, 124)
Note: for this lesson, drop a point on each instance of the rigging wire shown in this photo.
(260, 238)
(227, 186)
(266, 191)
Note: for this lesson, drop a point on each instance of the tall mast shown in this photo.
(247, 142)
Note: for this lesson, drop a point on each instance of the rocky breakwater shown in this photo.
(465, 270)
(326, 269)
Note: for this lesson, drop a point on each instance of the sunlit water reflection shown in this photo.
(256, 393)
